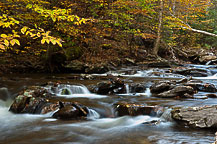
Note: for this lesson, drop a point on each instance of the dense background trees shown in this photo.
(96, 30)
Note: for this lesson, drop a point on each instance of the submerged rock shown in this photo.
(133, 109)
(197, 117)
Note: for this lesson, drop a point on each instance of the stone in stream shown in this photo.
(211, 95)
(171, 89)
(197, 117)
(137, 87)
(115, 85)
(37, 100)
(184, 88)
(178, 91)
(195, 72)
(133, 109)
(161, 87)
(207, 87)
(70, 110)
(4, 94)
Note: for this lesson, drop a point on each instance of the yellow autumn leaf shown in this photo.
(6, 42)
(3, 35)
(42, 41)
(48, 41)
(12, 42)
(53, 41)
(58, 42)
(2, 47)
(23, 30)
(17, 41)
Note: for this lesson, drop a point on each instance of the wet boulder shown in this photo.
(114, 86)
(197, 117)
(137, 87)
(39, 100)
(71, 110)
(184, 88)
(133, 109)
(204, 87)
(30, 100)
(4, 94)
(161, 87)
(211, 95)
(171, 89)
(178, 91)
(195, 72)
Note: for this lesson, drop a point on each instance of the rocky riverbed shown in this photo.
(130, 105)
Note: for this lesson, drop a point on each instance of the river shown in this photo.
(102, 126)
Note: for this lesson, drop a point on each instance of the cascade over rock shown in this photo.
(39, 100)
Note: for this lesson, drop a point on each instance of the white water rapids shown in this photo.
(101, 126)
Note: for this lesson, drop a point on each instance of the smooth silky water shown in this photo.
(101, 125)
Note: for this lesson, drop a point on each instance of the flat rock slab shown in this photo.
(197, 117)
(133, 109)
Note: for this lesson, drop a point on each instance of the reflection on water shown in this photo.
(101, 126)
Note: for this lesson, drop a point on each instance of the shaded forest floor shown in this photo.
(102, 60)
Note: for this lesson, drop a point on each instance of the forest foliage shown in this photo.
(77, 25)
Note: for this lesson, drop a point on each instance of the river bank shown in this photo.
(58, 63)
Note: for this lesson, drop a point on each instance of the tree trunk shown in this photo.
(156, 46)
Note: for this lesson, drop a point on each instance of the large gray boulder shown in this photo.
(197, 117)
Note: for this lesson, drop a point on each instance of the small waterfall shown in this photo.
(167, 115)
(148, 92)
(92, 114)
(127, 88)
(73, 89)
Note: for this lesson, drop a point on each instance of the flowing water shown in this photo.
(101, 126)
